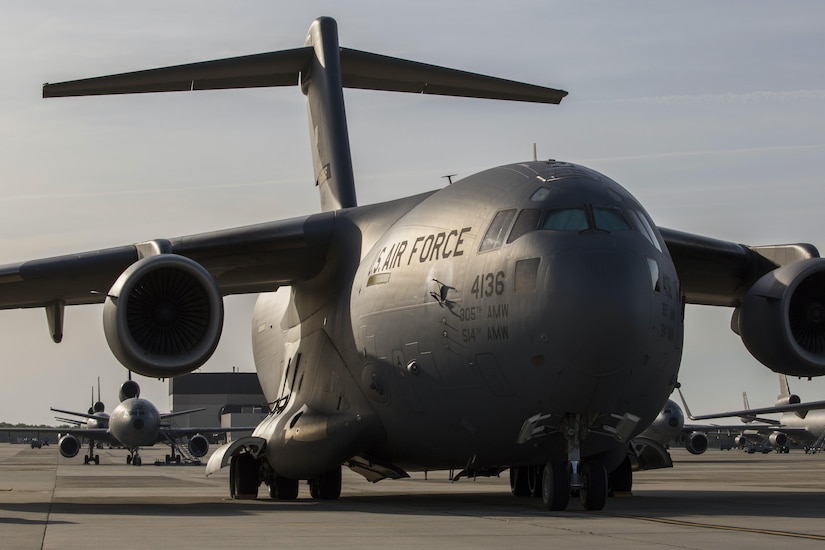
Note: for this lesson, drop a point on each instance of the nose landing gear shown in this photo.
(587, 478)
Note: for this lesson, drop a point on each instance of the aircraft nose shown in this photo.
(600, 302)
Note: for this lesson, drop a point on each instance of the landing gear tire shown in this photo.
(534, 475)
(518, 481)
(128, 459)
(137, 461)
(327, 486)
(282, 488)
(620, 480)
(244, 477)
(593, 493)
(85, 460)
(555, 486)
(97, 459)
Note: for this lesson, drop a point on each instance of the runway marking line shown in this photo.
(683, 523)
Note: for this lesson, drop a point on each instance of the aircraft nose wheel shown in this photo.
(555, 486)
(593, 493)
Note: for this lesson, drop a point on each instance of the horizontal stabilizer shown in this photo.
(248, 71)
(369, 71)
(362, 70)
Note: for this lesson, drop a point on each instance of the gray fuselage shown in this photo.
(451, 318)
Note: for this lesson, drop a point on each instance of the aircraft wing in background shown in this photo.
(791, 407)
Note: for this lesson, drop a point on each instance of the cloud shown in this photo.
(746, 97)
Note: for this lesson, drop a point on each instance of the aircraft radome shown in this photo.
(528, 317)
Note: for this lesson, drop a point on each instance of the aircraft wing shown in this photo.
(168, 434)
(716, 272)
(96, 434)
(794, 407)
(181, 432)
(164, 416)
(249, 259)
(81, 414)
(738, 428)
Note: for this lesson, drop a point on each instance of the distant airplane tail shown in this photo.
(747, 407)
(322, 69)
(785, 396)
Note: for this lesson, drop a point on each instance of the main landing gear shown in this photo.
(246, 474)
(91, 458)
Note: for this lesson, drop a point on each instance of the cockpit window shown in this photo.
(498, 229)
(644, 228)
(567, 219)
(527, 220)
(540, 194)
(610, 219)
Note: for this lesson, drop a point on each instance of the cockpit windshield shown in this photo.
(566, 219)
(587, 217)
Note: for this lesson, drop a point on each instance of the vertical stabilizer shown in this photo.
(784, 388)
(323, 86)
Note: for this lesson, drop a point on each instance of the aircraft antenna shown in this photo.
(535, 158)
(449, 178)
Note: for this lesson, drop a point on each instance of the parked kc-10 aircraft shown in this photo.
(133, 424)
(802, 423)
(530, 314)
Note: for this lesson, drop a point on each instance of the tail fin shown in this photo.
(784, 388)
(747, 406)
(322, 69)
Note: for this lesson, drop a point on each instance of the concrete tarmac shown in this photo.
(722, 499)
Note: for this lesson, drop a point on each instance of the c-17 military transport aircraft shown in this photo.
(527, 317)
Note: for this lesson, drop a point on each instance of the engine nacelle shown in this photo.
(778, 439)
(198, 445)
(696, 443)
(68, 445)
(782, 319)
(163, 317)
(129, 390)
(792, 399)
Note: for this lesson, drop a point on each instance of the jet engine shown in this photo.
(782, 319)
(129, 390)
(163, 317)
(696, 443)
(792, 399)
(68, 445)
(778, 439)
(198, 446)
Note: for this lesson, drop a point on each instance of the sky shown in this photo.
(710, 113)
